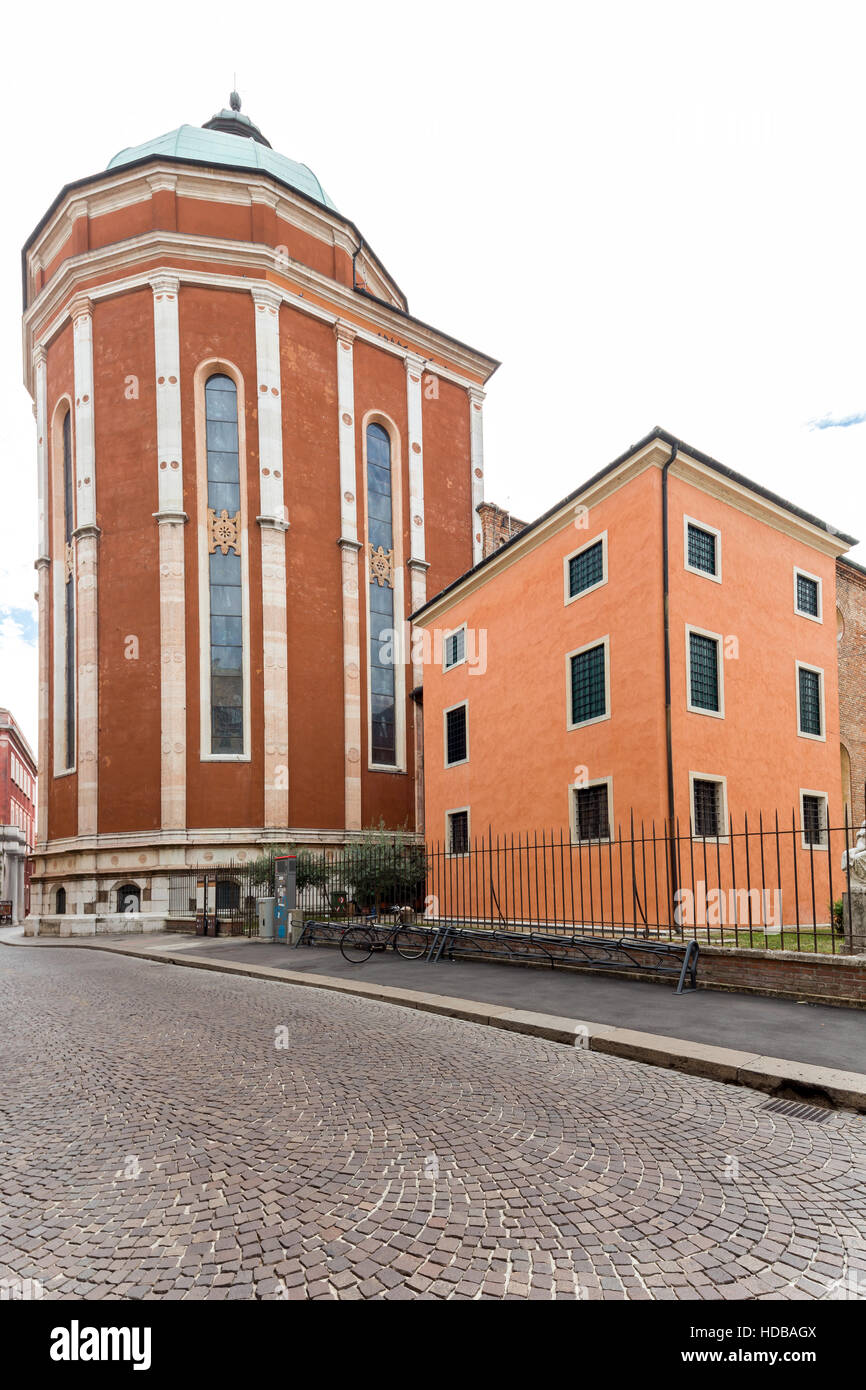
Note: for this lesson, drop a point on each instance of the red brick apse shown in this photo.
(252, 462)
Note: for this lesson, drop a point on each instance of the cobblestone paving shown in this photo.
(155, 1141)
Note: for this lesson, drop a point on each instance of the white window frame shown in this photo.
(724, 838)
(456, 811)
(452, 665)
(720, 669)
(824, 818)
(598, 718)
(566, 564)
(801, 733)
(445, 713)
(581, 785)
(816, 579)
(712, 531)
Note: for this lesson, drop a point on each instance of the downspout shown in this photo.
(355, 256)
(672, 856)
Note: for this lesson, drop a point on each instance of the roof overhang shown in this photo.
(654, 451)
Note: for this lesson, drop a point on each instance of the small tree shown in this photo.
(313, 870)
(384, 871)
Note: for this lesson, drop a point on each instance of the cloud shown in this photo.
(842, 422)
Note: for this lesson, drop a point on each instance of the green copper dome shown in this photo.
(222, 149)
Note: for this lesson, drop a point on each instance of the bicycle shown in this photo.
(357, 944)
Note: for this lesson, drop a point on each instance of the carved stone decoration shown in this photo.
(223, 532)
(381, 566)
(69, 561)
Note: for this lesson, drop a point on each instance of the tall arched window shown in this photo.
(225, 578)
(69, 597)
(60, 902)
(380, 534)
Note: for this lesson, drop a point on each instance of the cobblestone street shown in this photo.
(157, 1139)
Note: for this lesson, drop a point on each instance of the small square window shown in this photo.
(704, 672)
(706, 801)
(591, 812)
(701, 549)
(814, 819)
(588, 685)
(456, 742)
(458, 832)
(808, 600)
(809, 683)
(455, 648)
(586, 569)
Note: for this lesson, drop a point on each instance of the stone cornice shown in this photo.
(348, 543)
(120, 188)
(169, 517)
(272, 523)
(303, 288)
(267, 295)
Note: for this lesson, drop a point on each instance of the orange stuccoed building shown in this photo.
(662, 645)
(252, 460)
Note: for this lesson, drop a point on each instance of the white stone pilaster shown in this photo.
(170, 520)
(476, 445)
(349, 552)
(87, 593)
(43, 569)
(42, 450)
(273, 522)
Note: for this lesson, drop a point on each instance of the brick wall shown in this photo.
(497, 526)
(851, 602)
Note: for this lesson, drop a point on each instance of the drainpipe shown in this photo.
(358, 250)
(672, 856)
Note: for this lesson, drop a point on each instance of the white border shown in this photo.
(801, 733)
(575, 787)
(712, 531)
(824, 819)
(377, 417)
(599, 718)
(723, 811)
(720, 671)
(572, 598)
(450, 633)
(464, 704)
(816, 579)
(454, 811)
(220, 366)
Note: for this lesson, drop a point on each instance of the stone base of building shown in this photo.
(99, 876)
(91, 924)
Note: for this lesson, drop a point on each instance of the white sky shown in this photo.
(651, 213)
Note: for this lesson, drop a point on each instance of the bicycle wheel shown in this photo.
(356, 944)
(410, 943)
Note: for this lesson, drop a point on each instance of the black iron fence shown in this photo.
(216, 900)
(774, 884)
(771, 885)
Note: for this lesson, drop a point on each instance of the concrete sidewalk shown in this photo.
(810, 1051)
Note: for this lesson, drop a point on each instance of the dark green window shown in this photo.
(69, 596)
(455, 736)
(591, 812)
(383, 705)
(707, 803)
(810, 701)
(588, 694)
(702, 549)
(807, 595)
(226, 587)
(586, 569)
(704, 671)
